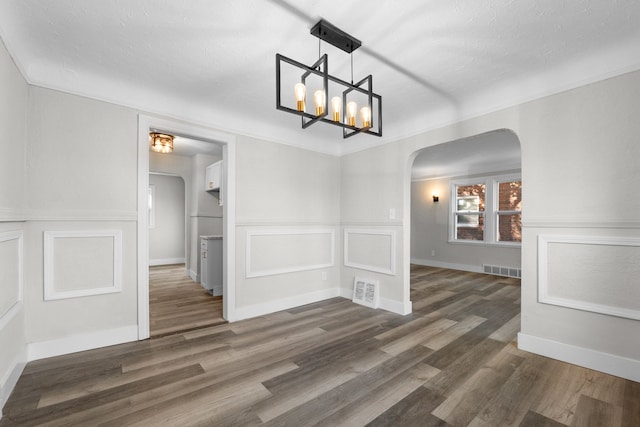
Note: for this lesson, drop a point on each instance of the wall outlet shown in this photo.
(324, 275)
(433, 253)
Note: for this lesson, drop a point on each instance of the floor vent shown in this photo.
(366, 292)
(502, 271)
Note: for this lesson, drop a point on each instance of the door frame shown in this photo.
(228, 142)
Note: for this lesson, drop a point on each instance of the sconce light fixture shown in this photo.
(161, 142)
(345, 94)
(436, 198)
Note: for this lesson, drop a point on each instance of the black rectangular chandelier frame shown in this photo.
(344, 41)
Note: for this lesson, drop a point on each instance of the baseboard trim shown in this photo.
(10, 380)
(194, 276)
(401, 308)
(604, 362)
(283, 304)
(453, 266)
(166, 261)
(81, 342)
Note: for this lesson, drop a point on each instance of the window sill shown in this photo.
(515, 245)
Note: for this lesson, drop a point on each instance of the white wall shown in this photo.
(82, 182)
(430, 232)
(13, 110)
(580, 156)
(287, 203)
(167, 238)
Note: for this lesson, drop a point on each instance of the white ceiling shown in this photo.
(213, 62)
(188, 147)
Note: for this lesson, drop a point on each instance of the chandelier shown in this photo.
(161, 142)
(344, 96)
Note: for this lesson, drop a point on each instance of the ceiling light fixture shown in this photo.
(161, 142)
(317, 78)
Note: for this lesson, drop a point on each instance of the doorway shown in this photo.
(177, 303)
(205, 135)
(466, 204)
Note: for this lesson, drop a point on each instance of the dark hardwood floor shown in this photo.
(178, 304)
(452, 362)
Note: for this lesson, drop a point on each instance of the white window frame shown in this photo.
(490, 212)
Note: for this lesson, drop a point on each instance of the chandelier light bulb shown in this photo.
(319, 99)
(352, 109)
(365, 113)
(336, 107)
(300, 93)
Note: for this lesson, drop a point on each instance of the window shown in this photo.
(509, 212)
(487, 210)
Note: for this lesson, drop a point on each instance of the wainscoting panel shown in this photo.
(371, 250)
(82, 263)
(279, 251)
(11, 282)
(597, 274)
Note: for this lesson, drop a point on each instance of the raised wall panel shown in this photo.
(11, 282)
(371, 250)
(82, 263)
(597, 274)
(280, 251)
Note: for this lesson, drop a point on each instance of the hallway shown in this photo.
(178, 304)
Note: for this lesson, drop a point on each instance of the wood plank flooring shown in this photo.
(453, 362)
(178, 304)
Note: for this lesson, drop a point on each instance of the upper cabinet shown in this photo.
(213, 175)
(213, 179)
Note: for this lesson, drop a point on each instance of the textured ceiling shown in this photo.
(213, 62)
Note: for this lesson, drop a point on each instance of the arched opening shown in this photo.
(466, 205)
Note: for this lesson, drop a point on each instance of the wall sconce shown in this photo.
(436, 198)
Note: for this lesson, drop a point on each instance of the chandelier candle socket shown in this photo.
(161, 142)
(344, 96)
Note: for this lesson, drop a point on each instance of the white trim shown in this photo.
(393, 306)
(9, 381)
(399, 307)
(194, 276)
(11, 312)
(79, 215)
(50, 292)
(450, 265)
(544, 296)
(374, 268)
(551, 222)
(285, 303)
(250, 273)
(166, 261)
(81, 342)
(175, 127)
(151, 197)
(592, 359)
(11, 215)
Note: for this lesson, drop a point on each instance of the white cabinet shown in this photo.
(213, 176)
(213, 179)
(211, 264)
